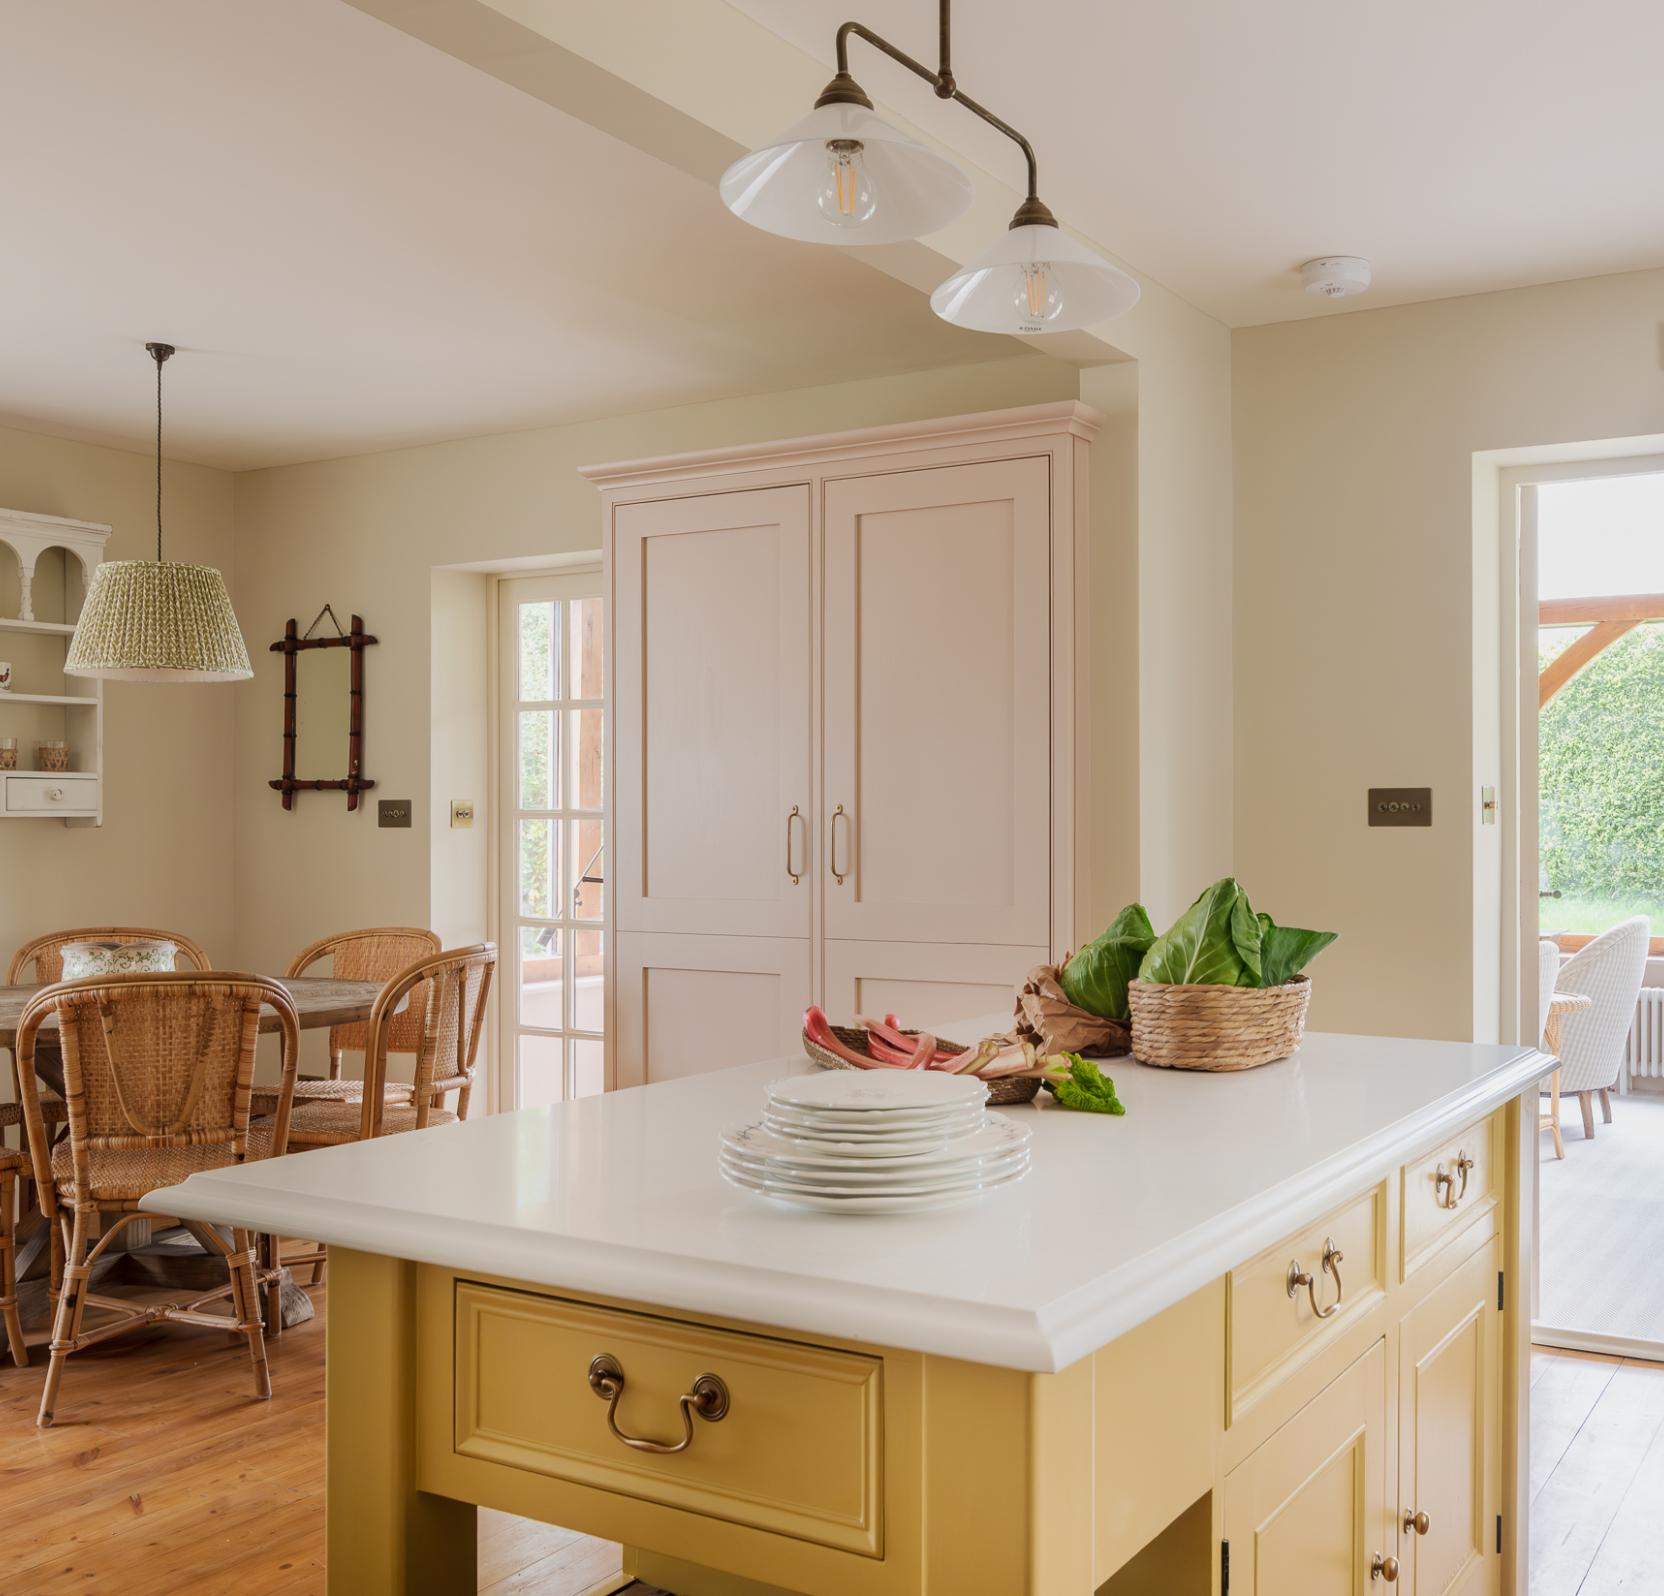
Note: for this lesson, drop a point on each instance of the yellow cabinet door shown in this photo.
(1450, 1415)
(1307, 1513)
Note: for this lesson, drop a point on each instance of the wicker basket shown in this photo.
(1001, 1092)
(1217, 1027)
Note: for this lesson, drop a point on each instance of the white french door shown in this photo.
(552, 870)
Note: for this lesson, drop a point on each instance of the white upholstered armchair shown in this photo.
(1609, 971)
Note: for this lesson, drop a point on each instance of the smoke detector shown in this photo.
(1336, 276)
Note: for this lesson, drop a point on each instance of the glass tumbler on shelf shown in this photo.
(8, 753)
(52, 755)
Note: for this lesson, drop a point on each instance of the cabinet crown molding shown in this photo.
(988, 427)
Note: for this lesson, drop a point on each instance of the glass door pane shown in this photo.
(553, 869)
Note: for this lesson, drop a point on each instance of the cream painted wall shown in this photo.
(1356, 585)
(164, 853)
(365, 534)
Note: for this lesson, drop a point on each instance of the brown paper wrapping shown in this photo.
(1053, 1024)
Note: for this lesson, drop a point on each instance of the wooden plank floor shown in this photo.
(162, 1475)
(1597, 1475)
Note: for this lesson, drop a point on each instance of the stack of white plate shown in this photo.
(876, 1142)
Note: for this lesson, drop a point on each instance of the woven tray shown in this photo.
(1217, 1027)
(1003, 1091)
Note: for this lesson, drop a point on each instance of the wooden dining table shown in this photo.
(319, 1001)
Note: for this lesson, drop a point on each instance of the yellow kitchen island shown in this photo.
(1265, 1334)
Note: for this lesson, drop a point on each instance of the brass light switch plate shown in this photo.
(393, 812)
(1401, 806)
(462, 813)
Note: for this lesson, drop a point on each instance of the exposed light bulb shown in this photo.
(846, 196)
(1038, 298)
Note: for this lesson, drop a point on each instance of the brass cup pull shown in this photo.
(708, 1398)
(1384, 1568)
(837, 815)
(1333, 1257)
(1419, 1522)
(796, 814)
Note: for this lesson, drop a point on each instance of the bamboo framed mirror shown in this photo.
(328, 735)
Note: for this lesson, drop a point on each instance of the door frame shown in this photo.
(1521, 818)
(499, 900)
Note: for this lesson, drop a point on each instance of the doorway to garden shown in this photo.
(1592, 547)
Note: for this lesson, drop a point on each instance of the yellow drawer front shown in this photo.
(1275, 1331)
(798, 1452)
(1444, 1191)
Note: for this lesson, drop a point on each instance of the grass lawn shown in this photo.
(1592, 915)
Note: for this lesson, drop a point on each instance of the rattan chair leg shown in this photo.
(462, 1100)
(271, 1275)
(8, 1272)
(335, 1063)
(67, 1318)
(245, 1299)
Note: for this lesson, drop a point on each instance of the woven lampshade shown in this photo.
(158, 621)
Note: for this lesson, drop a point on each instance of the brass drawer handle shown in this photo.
(1333, 1257)
(837, 815)
(796, 814)
(708, 1398)
(1384, 1568)
(1419, 1522)
(1446, 1192)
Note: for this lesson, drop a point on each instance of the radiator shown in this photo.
(1644, 1052)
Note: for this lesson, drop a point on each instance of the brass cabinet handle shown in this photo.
(1419, 1522)
(1333, 1257)
(708, 1398)
(1384, 1568)
(1447, 1194)
(796, 814)
(837, 815)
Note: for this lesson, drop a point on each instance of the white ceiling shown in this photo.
(1461, 145)
(357, 243)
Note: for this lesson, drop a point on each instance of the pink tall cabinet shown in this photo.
(848, 758)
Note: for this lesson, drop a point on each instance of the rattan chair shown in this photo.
(457, 987)
(375, 954)
(158, 1073)
(12, 1165)
(43, 960)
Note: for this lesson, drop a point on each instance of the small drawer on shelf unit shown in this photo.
(55, 793)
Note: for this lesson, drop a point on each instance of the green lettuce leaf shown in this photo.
(1205, 945)
(1095, 979)
(1286, 950)
(1086, 1088)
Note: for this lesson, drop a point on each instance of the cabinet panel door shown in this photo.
(938, 705)
(924, 984)
(710, 707)
(1449, 1433)
(1306, 1514)
(688, 1004)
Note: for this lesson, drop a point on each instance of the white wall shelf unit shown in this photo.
(52, 562)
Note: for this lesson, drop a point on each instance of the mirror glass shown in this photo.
(322, 713)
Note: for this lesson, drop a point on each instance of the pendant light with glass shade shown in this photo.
(157, 620)
(842, 175)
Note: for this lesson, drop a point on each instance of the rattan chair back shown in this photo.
(377, 953)
(457, 990)
(155, 1061)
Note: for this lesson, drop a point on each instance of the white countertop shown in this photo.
(1119, 1218)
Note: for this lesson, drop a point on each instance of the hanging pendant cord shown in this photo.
(159, 353)
(159, 359)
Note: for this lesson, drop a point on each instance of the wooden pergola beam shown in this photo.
(1607, 619)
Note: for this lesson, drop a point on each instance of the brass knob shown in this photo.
(1384, 1568)
(1419, 1522)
